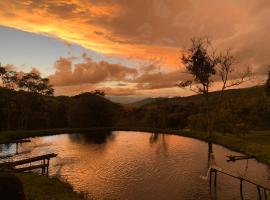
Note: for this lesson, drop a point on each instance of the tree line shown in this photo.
(27, 101)
(31, 82)
(22, 110)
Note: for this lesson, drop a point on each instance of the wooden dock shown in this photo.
(262, 190)
(44, 166)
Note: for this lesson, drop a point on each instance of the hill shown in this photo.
(232, 93)
(248, 107)
(20, 110)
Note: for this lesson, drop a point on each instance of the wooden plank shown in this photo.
(22, 169)
(29, 160)
(235, 158)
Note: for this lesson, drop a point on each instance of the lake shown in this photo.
(138, 165)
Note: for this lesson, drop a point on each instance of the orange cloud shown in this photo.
(88, 72)
(146, 29)
(81, 22)
(142, 29)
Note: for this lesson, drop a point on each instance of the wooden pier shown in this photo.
(262, 190)
(44, 166)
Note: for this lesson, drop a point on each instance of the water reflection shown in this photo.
(132, 165)
(160, 143)
(210, 155)
(92, 137)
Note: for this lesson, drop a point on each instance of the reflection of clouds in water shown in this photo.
(135, 164)
(39, 145)
(6, 149)
(268, 170)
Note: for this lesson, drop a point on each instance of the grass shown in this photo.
(38, 187)
(254, 143)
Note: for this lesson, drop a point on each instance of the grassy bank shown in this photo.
(42, 188)
(35, 187)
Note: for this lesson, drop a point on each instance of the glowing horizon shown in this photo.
(132, 35)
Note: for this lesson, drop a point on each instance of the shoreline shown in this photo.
(243, 144)
(254, 143)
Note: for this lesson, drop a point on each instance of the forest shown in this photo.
(241, 110)
(27, 101)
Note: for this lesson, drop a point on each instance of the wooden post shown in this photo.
(259, 192)
(265, 195)
(215, 178)
(43, 168)
(48, 163)
(210, 178)
(241, 189)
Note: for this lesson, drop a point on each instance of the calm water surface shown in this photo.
(133, 165)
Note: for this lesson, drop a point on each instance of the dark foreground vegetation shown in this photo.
(22, 186)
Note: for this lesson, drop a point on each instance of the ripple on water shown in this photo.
(132, 165)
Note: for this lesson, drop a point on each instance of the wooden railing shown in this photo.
(44, 166)
(262, 190)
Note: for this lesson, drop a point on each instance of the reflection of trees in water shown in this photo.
(211, 160)
(268, 170)
(160, 139)
(93, 137)
(154, 138)
(210, 155)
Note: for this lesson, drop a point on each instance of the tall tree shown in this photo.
(202, 66)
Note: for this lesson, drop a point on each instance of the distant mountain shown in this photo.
(243, 92)
(124, 99)
(144, 102)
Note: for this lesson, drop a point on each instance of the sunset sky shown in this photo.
(128, 47)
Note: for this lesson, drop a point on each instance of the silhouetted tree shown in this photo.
(225, 66)
(99, 93)
(89, 110)
(267, 85)
(2, 70)
(32, 82)
(8, 77)
(202, 66)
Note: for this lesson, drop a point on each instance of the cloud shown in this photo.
(147, 29)
(76, 89)
(67, 73)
